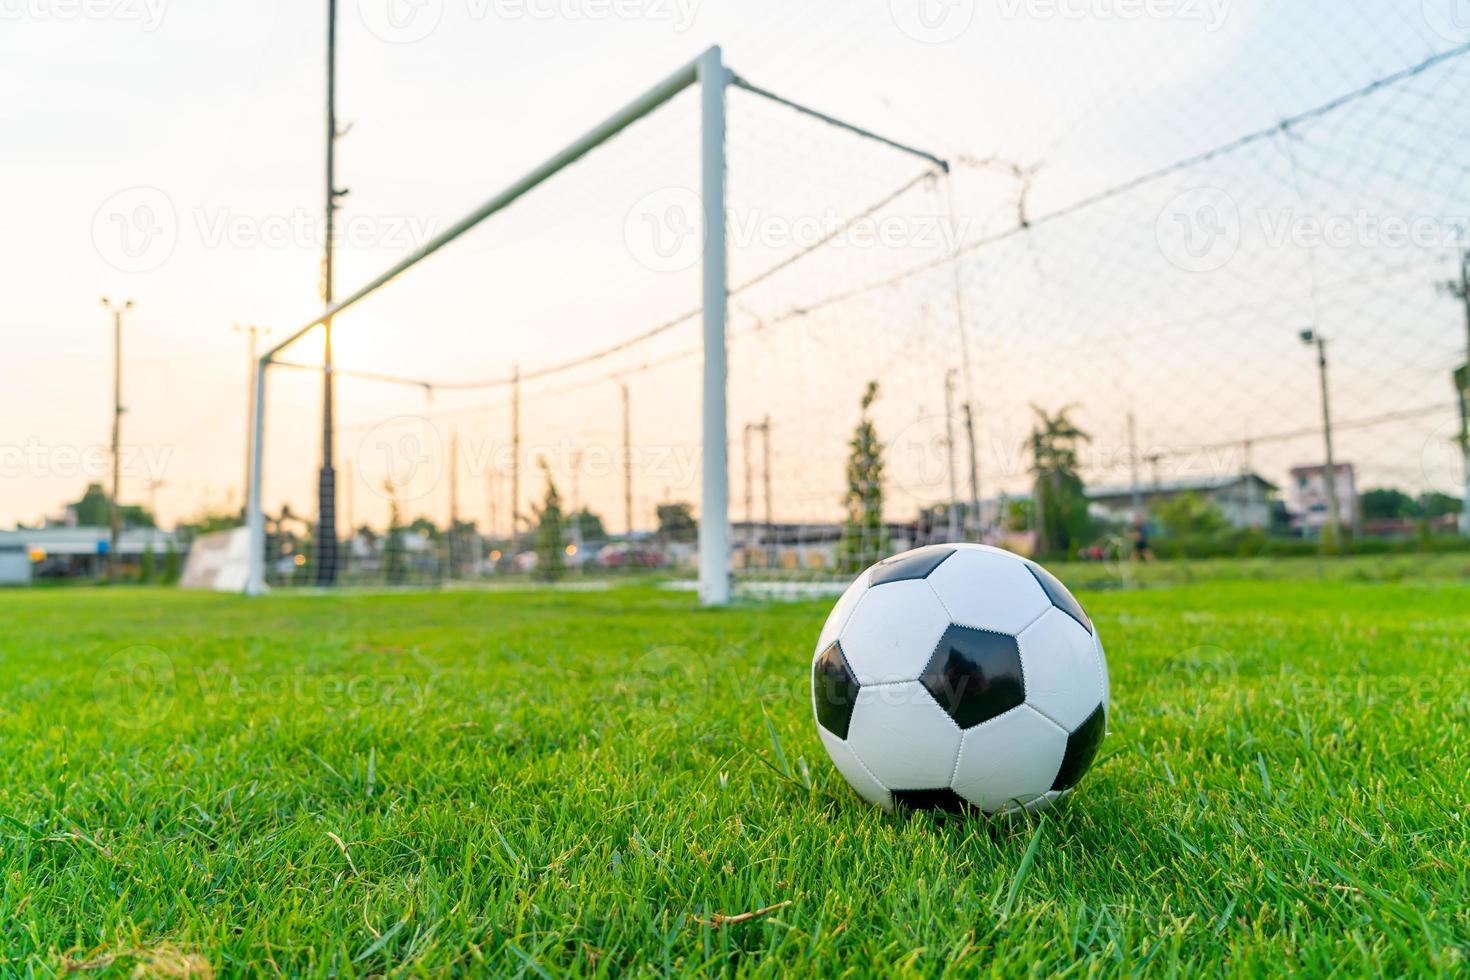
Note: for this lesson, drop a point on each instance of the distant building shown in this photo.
(15, 564)
(75, 552)
(1310, 508)
(1244, 498)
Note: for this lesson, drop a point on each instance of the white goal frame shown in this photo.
(709, 72)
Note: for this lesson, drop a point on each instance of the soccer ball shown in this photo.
(959, 676)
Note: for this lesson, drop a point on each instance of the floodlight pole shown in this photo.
(326, 525)
(714, 512)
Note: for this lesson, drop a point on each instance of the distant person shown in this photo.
(1141, 551)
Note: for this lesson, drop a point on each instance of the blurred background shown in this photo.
(1120, 280)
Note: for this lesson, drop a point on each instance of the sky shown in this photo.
(171, 154)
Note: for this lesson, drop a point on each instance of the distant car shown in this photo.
(631, 556)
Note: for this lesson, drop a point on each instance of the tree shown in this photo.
(676, 522)
(148, 565)
(550, 534)
(864, 539)
(1388, 504)
(589, 525)
(171, 570)
(426, 527)
(1190, 515)
(1432, 505)
(208, 522)
(1060, 500)
(95, 510)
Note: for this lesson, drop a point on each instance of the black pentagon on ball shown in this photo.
(1082, 747)
(910, 565)
(834, 689)
(1058, 594)
(975, 675)
(931, 799)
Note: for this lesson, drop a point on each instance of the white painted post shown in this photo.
(714, 512)
(254, 509)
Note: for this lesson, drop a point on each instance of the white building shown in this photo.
(15, 564)
(1245, 499)
(1309, 503)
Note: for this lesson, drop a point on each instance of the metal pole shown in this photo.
(1465, 396)
(515, 461)
(1334, 512)
(1137, 489)
(749, 483)
(979, 518)
(627, 460)
(714, 517)
(959, 312)
(254, 510)
(114, 512)
(454, 549)
(771, 555)
(326, 531)
(954, 492)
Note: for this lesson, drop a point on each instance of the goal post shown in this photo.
(714, 523)
(708, 71)
(683, 166)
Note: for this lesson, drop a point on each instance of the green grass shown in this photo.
(554, 783)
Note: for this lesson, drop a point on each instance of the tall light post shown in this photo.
(254, 333)
(115, 515)
(1312, 338)
(326, 528)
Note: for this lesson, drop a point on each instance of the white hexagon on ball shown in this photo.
(989, 589)
(1012, 759)
(903, 737)
(1059, 661)
(893, 631)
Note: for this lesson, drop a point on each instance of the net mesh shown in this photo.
(1163, 313)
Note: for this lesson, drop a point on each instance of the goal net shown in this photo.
(588, 330)
(873, 348)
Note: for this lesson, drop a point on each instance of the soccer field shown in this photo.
(549, 783)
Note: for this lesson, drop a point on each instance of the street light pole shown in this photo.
(1334, 512)
(114, 514)
(326, 530)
